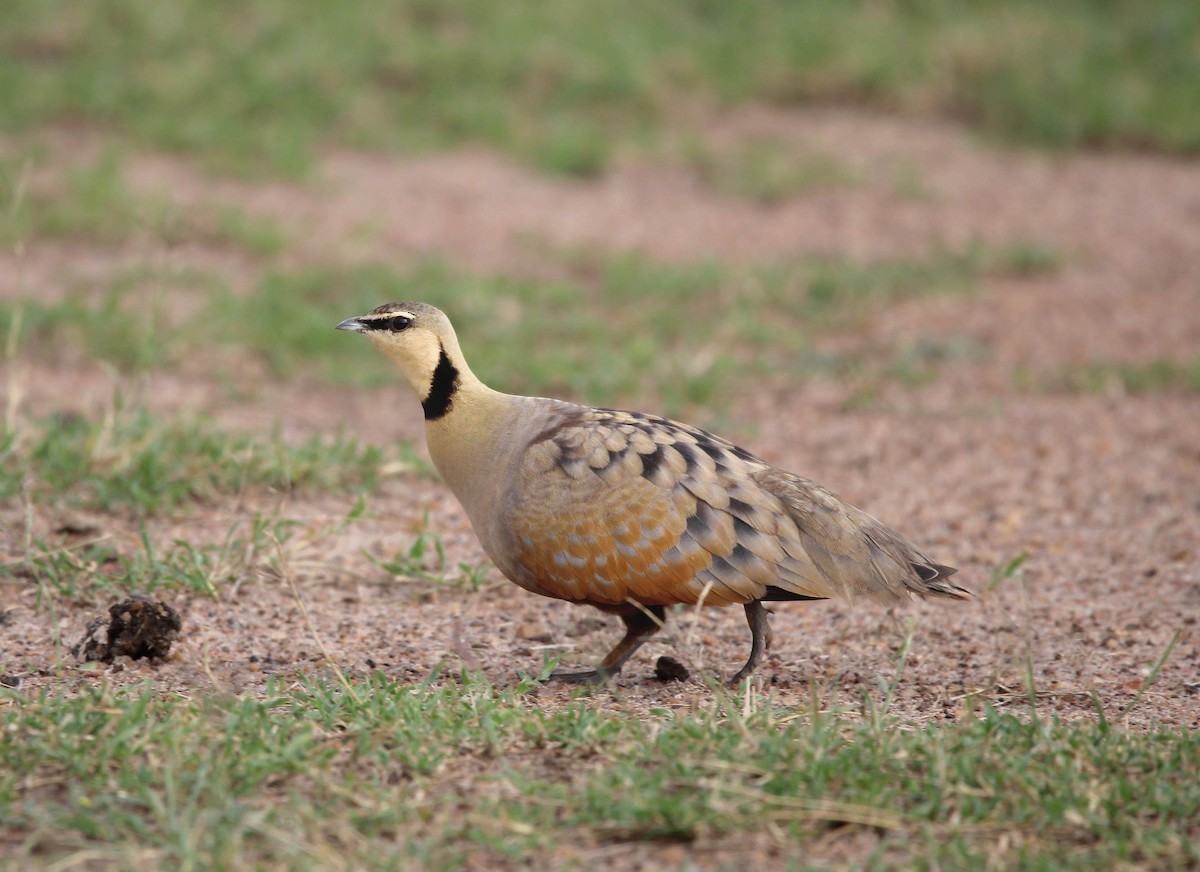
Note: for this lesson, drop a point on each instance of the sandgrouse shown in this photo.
(630, 512)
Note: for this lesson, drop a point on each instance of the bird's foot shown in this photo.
(742, 674)
(589, 676)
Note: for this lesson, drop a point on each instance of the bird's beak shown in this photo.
(352, 324)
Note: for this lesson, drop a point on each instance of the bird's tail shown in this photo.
(848, 553)
(934, 581)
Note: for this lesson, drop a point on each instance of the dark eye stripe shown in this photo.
(396, 322)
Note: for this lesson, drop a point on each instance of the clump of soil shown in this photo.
(670, 669)
(136, 627)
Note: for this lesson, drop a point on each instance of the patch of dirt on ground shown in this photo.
(1101, 492)
(1111, 575)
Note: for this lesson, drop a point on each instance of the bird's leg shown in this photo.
(760, 639)
(640, 624)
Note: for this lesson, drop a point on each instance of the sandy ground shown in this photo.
(1101, 491)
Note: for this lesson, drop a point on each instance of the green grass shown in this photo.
(126, 324)
(768, 170)
(132, 460)
(148, 485)
(1024, 258)
(913, 363)
(230, 226)
(425, 560)
(260, 86)
(611, 329)
(372, 774)
(94, 203)
(107, 569)
(1106, 376)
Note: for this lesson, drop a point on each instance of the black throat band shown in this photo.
(442, 388)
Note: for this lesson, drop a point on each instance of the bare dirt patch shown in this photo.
(1101, 492)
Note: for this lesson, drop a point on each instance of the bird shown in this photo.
(633, 513)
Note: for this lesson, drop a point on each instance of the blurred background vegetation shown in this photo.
(256, 90)
(258, 87)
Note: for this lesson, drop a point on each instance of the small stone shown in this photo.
(670, 669)
(534, 632)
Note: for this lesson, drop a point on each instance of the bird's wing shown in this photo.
(618, 506)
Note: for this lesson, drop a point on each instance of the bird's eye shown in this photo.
(396, 322)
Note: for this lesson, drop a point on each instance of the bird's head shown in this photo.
(420, 340)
